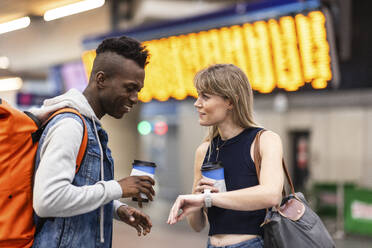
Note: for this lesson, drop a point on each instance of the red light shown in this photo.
(160, 128)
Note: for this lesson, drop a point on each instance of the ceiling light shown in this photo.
(13, 83)
(4, 62)
(72, 9)
(15, 24)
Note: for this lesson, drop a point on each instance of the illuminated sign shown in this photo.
(144, 127)
(277, 53)
(159, 127)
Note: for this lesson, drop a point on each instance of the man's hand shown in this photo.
(135, 218)
(132, 186)
(186, 203)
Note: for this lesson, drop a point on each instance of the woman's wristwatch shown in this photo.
(207, 198)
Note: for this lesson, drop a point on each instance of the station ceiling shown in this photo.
(12, 9)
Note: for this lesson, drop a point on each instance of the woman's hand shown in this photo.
(186, 203)
(203, 184)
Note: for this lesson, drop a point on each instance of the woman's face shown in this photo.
(212, 109)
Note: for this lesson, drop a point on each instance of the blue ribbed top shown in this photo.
(240, 173)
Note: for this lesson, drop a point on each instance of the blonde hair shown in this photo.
(230, 82)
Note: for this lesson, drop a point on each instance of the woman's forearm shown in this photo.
(248, 199)
(197, 220)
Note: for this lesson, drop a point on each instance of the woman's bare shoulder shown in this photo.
(270, 141)
(202, 148)
(199, 156)
(270, 136)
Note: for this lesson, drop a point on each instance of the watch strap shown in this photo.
(207, 198)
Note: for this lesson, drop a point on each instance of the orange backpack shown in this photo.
(19, 136)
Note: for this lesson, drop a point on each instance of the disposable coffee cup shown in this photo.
(143, 168)
(214, 171)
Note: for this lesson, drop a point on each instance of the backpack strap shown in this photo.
(84, 141)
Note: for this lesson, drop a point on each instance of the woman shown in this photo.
(225, 104)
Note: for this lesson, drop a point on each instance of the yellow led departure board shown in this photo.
(284, 53)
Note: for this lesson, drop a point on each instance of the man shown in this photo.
(76, 209)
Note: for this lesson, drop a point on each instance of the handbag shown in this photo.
(293, 224)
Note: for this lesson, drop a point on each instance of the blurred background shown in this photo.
(309, 62)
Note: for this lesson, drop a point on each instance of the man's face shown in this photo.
(121, 90)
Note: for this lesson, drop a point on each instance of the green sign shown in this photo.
(358, 211)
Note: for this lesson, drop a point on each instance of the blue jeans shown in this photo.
(251, 243)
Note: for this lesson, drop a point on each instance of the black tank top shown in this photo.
(240, 173)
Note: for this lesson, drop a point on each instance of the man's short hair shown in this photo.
(126, 47)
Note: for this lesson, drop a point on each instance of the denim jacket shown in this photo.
(82, 230)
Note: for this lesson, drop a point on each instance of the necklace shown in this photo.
(218, 141)
(218, 147)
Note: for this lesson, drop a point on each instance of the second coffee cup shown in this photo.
(143, 168)
(214, 171)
